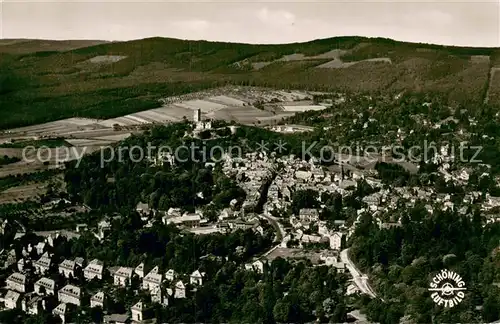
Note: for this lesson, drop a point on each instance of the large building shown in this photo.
(196, 278)
(199, 124)
(180, 290)
(12, 299)
(48, 285)
(122, 276)
(97, 300)
(17, 282)
(93, 270)
(70, 294)
(42, 265)
(67, 268)
(152, 280)
(188, 220)
(60, 311)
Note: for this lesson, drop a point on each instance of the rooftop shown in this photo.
(98, 297)
(124, 272)
(60, 309)
(68, 264)
(71, 290)
(94, 266)
(46, 282)
(12, 295)
(17, 277)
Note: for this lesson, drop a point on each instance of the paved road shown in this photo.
(360, 279)
(280, 231)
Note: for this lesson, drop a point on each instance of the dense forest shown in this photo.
(402, 260)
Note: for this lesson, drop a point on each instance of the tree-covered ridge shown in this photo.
(402, 261)
(44, 86)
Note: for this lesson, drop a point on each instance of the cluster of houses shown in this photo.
(295, 174)
(251, 171)
(35, 277)
(27, 286)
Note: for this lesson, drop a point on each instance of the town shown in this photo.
(294, 196)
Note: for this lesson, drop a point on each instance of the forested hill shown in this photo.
(41, 82)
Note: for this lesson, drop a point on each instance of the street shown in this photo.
(361, 280)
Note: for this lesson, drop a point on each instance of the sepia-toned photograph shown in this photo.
(274, 162)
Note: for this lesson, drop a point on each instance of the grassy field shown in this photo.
(41, 81)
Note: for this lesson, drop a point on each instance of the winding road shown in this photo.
(360, 279)
(278, 228)
(280, 231)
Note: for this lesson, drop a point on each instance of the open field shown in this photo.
(228, 103)
(43, 81)
(45, 146)
(335, 57)
(104, 59)
(24, 192)
(294, 108)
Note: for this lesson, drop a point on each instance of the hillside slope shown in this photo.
(39, 84)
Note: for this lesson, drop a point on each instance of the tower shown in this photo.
(197, 115)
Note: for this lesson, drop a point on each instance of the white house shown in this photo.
(170, 275)
(42, 265)
(97, 300)
(40, 248)
(122, 276)
(180, 290)
(60, 311)
(12, 299)
(48, 285)
(225, 213)
(139, 270)
(67, 268)
(309, 215)
(332, 259)
(373, 199)
(196, 278)
(136, 311)
(17, 282)
(20, 265)
(152, 280)
(336, 241)
(93, 270)
(69, 294)
(258, 266)
(188, 220)
(103, 227)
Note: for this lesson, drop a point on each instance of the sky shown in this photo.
(463, 23)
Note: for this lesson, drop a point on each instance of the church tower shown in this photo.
(197, 116)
